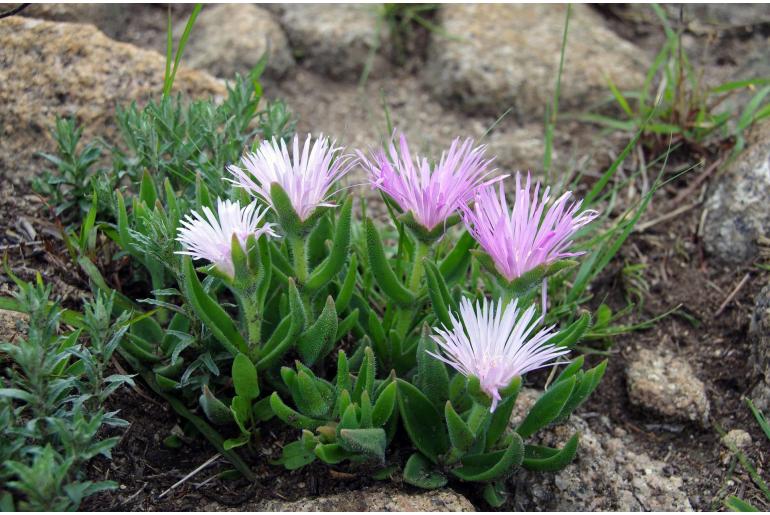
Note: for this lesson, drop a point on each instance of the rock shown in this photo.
(230, 38)
(737, 211)
(666, 385)
(503, 55)
(759, 336)
(698, 16)
(64, 69)
(608, 474)
(336, 40)
(737, 438)
(379, 498)
(12, 325)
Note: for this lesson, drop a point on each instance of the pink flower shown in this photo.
(432, 194)
(495, 345)
(530, 234)
(210, 237)
(305, 175)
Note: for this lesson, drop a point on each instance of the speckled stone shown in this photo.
(230, 38)
(381, 498)
(666, 385)
(50, 69)
(502, 55)
(737, 209)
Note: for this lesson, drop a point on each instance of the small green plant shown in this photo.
(52, 403)
(70, 188)
(735, 503)
(674, 100)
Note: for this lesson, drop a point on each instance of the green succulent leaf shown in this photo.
(383, 407)
(420, 472)
(492, 465)
(548, 459)
(216, 411)
(343, 372)
(330, 267)
(386, 278)
(290, 416)
(460, 435)
(547, 408)
(331, 453)
(277, 346)
(295, 456)
(422, 421)
(495, 493)
(439, 294)
(572, 334)
(348, 285)
(368, 441)
(365, 379)
(245, 377)
(583, 389)
(502, 415)
(455, 264)
(313, 402)
(241, 410)
(319, 336)
(432, 378)
(211, 313)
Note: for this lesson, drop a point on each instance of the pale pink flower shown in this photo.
(495, 345)
(306, 174)
(530, 234)
(431, 194)
(210, 236)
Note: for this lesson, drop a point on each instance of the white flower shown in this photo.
(495, 345)
(210, 237)
(305, 176)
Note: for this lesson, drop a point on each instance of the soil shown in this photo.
(710, 332)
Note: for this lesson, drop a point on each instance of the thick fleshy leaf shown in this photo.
(420, 472)
(548, 459)
(422, 421)
(216, 411)
(492, 465)
(331, 453)
(290, 416)
(460, 435)
(455, 264)
(502, 415)
(368, 441)
(343, 372)
(583, 389)
(295, 456)
(572, 334)
(440, 299)
(386, 278)
(276, 347)
(547, 408)
(384, 405)
(432, 378)
(241, 410)
(495, 493)
(348, 285)
(365, 379)
(320, 335)
(330, 267)
(210, 312)
(245, 377)
(311, 400)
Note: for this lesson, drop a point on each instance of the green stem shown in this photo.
(253, 322)
(300, 259)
